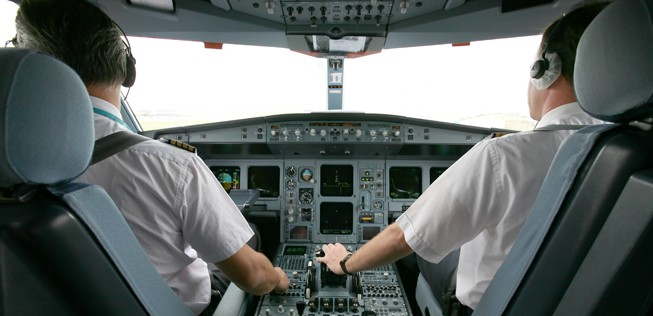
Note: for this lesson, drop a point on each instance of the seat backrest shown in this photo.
(613, 82)
(65, 249)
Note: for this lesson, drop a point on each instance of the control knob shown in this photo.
(323, 133)
(359, 133)
(313, 132)
(373, 133)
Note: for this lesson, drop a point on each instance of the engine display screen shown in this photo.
(405, 182)
(294, 251)
(436, 172)
(229, 177)
(337, 180)
(336, 218)
(266, 179)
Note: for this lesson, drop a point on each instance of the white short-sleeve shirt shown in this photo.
(175, 206)
(482, 200)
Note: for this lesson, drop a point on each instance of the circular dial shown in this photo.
(306, 197)
(377, 205)
(306, 174)
(291, 184)
(291, 172)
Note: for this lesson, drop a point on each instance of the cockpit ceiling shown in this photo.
(387, 23)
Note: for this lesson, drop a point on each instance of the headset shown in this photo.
(546, 70)
(130, 62)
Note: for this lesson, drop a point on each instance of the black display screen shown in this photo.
(436, 172)
(336, 218)
(264, 178)
(229, 177)
(294, 251)
(370, 232)
(405, 182)
(298, 232)
(337, 180)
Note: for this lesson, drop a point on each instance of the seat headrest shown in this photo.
(614, 63)
(47, 135)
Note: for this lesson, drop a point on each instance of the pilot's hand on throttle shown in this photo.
(284, 283)
(333, 253)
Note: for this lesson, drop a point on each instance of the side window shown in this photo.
(7, 21)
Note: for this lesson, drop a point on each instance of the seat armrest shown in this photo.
(234, 302)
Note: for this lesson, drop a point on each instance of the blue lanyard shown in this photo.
(111, 117)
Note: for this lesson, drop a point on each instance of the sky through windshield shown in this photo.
(182, 83)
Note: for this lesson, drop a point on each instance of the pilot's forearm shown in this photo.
(386, 248)
(253, 272)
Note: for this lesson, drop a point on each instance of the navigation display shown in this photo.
(264, 178)
(336, 218)
(337, 180)
(229, 177)
(405, 182)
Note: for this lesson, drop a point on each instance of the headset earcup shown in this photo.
(130, 76)
(539, 67)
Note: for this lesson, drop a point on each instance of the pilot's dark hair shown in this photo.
(76, 32)
(563, 35)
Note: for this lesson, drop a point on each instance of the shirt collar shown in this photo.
(105, 106)
(570, 113)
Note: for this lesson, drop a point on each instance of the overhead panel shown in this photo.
(336, 18)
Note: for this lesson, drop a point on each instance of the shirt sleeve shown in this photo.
(212, 223)
(457, 206)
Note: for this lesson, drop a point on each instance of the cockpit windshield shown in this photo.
(183, 83)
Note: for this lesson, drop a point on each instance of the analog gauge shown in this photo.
(306, 196)
(291, 172)
(306, 174)
(291, 184)
(377, 205)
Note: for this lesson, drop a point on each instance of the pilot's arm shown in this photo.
(253, 272)
(385, 248)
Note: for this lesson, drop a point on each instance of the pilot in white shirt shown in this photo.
(150, 183)
(482, 200)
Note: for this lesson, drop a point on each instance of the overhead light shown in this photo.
(162, 5)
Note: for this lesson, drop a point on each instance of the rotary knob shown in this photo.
(373, 133)
(323, 133)
(313, 132)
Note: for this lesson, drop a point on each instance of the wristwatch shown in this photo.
(342, 264)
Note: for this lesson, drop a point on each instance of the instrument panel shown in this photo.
(327, 178)
(331, 200)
